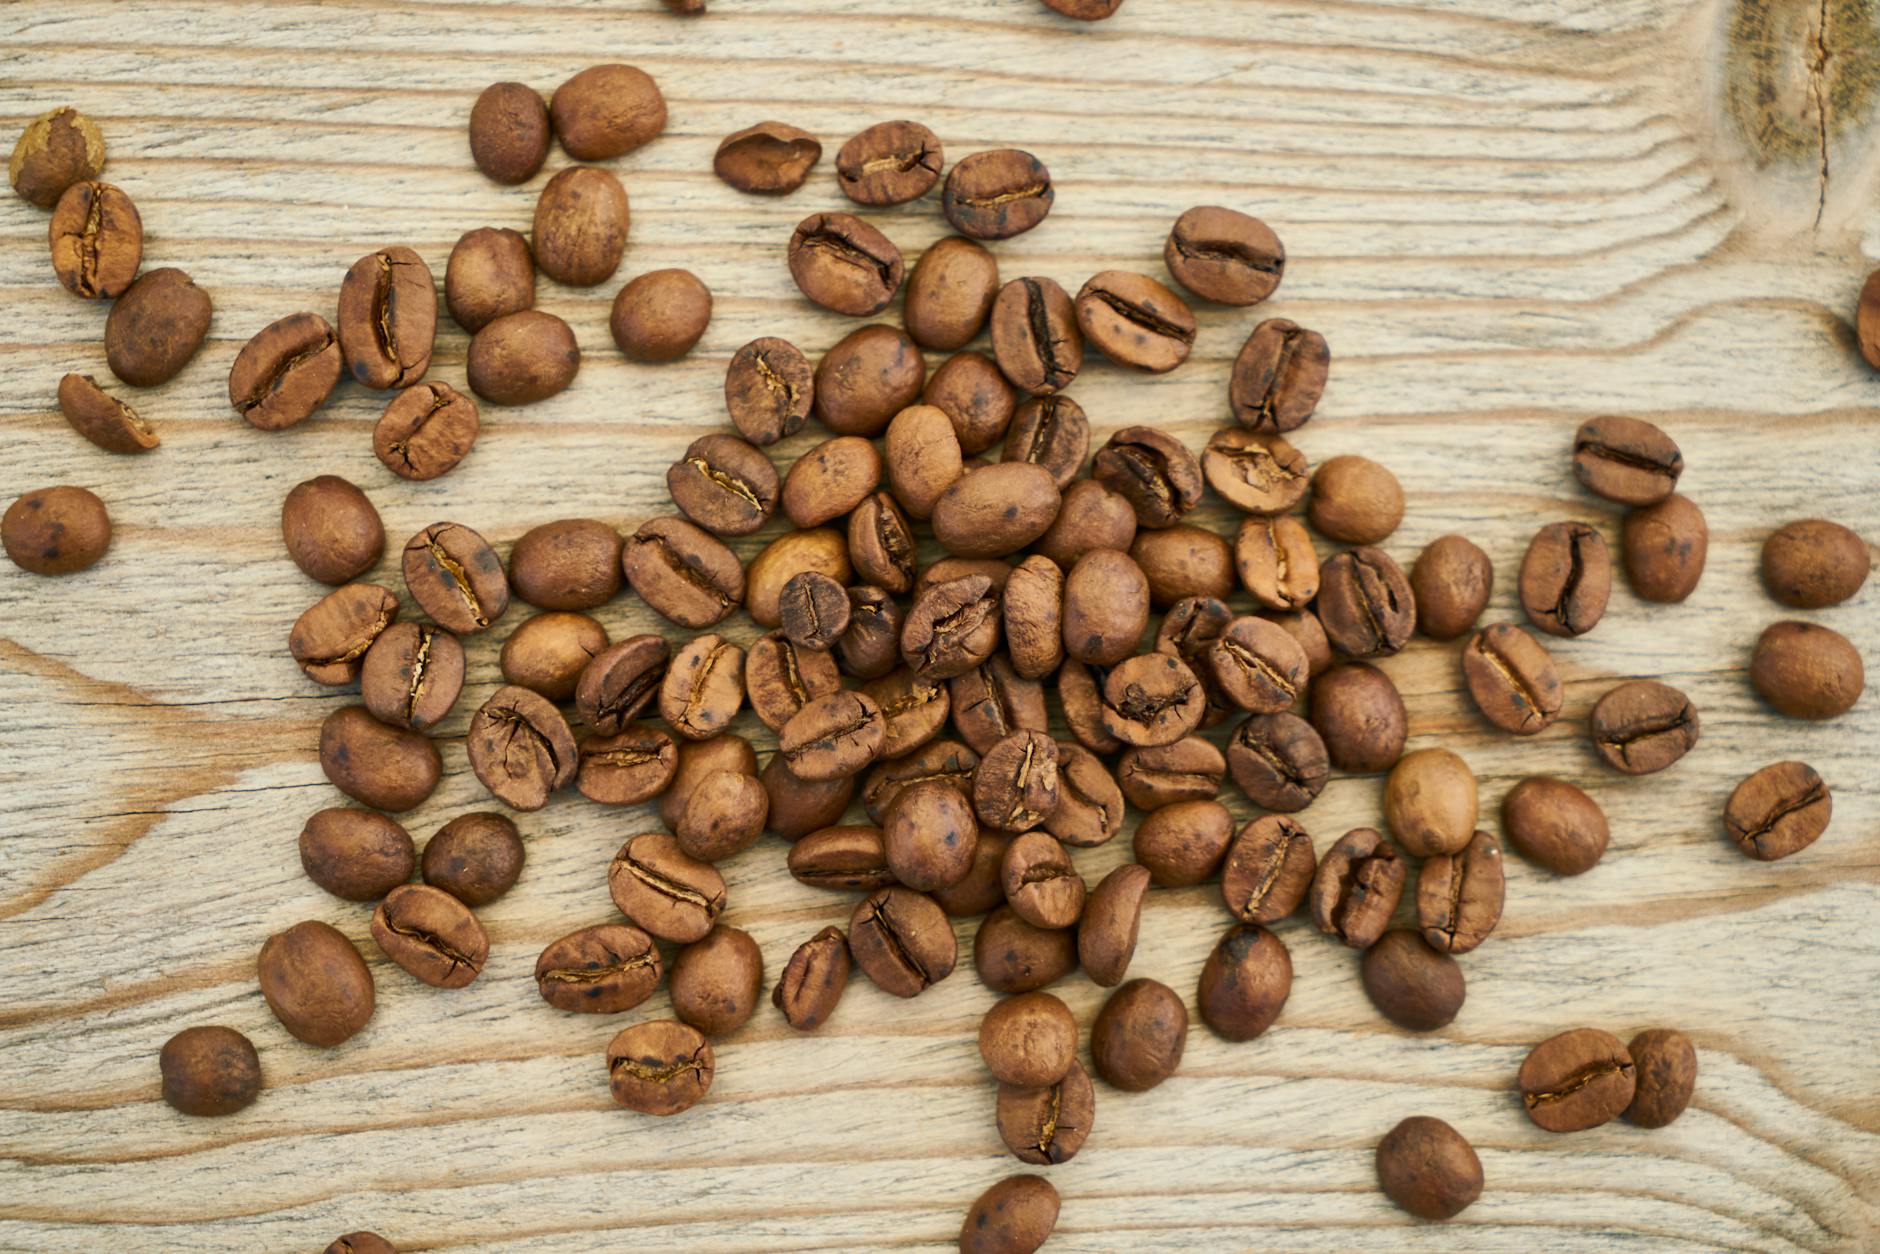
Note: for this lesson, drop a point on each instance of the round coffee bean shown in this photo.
(1814, 563)
(1041, 882)
(1278, 376)
(1355, 500)
(890, 163)
(1223, 255)
(715, 982)
(1779, 810)
(833, 736)
(1183, 562)
(1459, 896)
(581, 224)
(770, 158)
(1153, 471)
(379, 766)
(425, 431)
(97, 240)
(607, 110)
(660, 315)
(1665, 1066)
(1665, 546)
(102, 418)
(285, 372)
(509, 132)
(520, 748)
(980, 890)
(1188, 770)
(1359, 713)
(725, 485)
(1035, 335)
(1451, 581)
(1279, 761)
(1430, 802)
(156, 327)
(1261, 474)
(995, 510)
(1016, 786)
(1183, 842)
(1577, 1080)
(831, 479)
(432, 935)
(997, 194)
(699, 759)
(660, 1067)
(630, 767)
(671, 895)
(316, 983)
(724, 816)
(1643, 726)
(769, 389)
(455, 577)
(1016, 1215)
(1555, 824)
(1513, 679)
(571, 564)
(781, 678)
(621, 681)
(355, 854)
(1427, 1168)
(476, 858)
(703, 689)
(1029, 1039)
(952, 627)
(330, 639)
(813, 980)
(1268, 869)
(1106, 934)
(491, 273)
(1135, 321)
(1807, 671)
(1090, 805)
(870, 375)
(522, 358)
(412, 675)
(902, 941)
(1138, 1037)
(209, 1071)
(56, 150)
(331, 530)
(1090, 516)
(800, 806)
(599, 970)
(1627, 460)
(976, 398)
(1356, 888)
(547, 653)
(949, 291)
(1566, 579)
(845, 265)
(388, 318)
(1048, 1124)
(1012, 955)
(1152, 699)
(1244, 983)
(683, 572)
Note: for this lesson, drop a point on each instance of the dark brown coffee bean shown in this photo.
(621, 681)
(1035, 335)
(850, 858)
(995, 510)
(1279, 761)
(1814, 563)
(715, 982)
(890, 163)
(1665, 546)
(1259, 473)
(1135, 321)
(1355, 500)
(156, 327)
(1513, 679)
(997, 194)
(1627, 460)
(209, 1071)
(1643, 726)
(355, 854)
(1412, 984)
(660, 315)
(798, 807)
(725, 485)
(476, 858)
(102, 418)
(1577, 1080)
(952, 627)
(949, 291)
(939, 759)
(1091, 516)
(1244, 983)
(570, 564)
(902, 941)
(1365, 603)
(491, 273)
(607, 110)
(1258, 666)
(1781, 809)
(660, 1067)
(425, 431)
(599, 970)
(1191, 626)
(520, 748)
(1358, 712)
(1566, 579)
(670, 894)
(1012, 955)
(1451, 581)
(1223, 255)
(547, 653)
(870, 375)
(1153, 471)
(285, 372)
(1016, 786)
(1161, 775)
(509, 132)
(455, 577)
(870, 646)
(316, 983)
(432, 935)
(697, 760)
(1028, 1040)
(845, 265)
(770, 158)
(97, 240)
(1106, 934)
(1555, 824)
(1665, 1068)
(980, 890)
(522, 358)
(1430, 802)
(412, 675)
(1356, 888)
(1278, 376)
(769, 389)
(1183, 842)
(331, 530)
(379, 766)
(1807, 671)
(1268, 870)
(683, 571)
(976, 398)
(1016, 1215)
(813, 980)
(724, 816)
(1459, 896)
(990, 702)
(1041, 882)
(56, 150)
(1152, 699)
(581, 224)
(388, 318)
(781, 678)
(1184, 562)
(1090, 805)
(1048, 1124)
(1052, 432)
(1427, 1168)
(330, 638)
(630, 767)
(833, 736)
(1139, 1035)
(703, 689)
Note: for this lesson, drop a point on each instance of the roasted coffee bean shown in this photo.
(845, 265)
(1152, 699)
(949, 291)
(697, 760)
(1244, 983)
(952, 627)
(1866, 321)
(1555, 824)
(1814, 563)
(607, 110)
(704, 687)
(599, 970)
(1041, 882)
(1106, 607)
(425, 431)
(1276, 562)
(388, 318)
(509, 132)
(455, 577)
(379, 766)
(547, 653)
(850, 858)
(1643, 726)
(1220, 254)
(1807, 671)
(997, 194)
(1665, 1069)
(1577, 1080)
(570, 564)
(1427, 1168)
(476, 858)
(1779, 810)
(520, 748)
(980, 890)
(813, 980)
(660, 315)
(1365, 603)
(1413, 984)
(316, 983)
(660, 1067)
(1258, 666)
(1018, 1214)
(1430, 802)
(1358, 712)
(1191, 626)
(1135, 321)
(1304, 627)
(1012, 955)
(1183, 842)
(491, 273)
(882, 544)
(889, 163)
(156, 327)
(285, 372)
(670, 894)
(355, 854)
(870, 375)
(1665, 546)
(1259, 473)
(725, 485)
(683, 572)
(331, 529)
(102, 418)
(976, 398)
(1080, 690)
(1153, 471)
(621, 681)
(769, 390)
(97, 240)
(1626, 460)
(627, 768)
(998, 570)
(581, 223)
(1035, 335)
(1028, 1040)
(56, 150)
(1513, 679)
(1279, 761)
(995, 510)
(412, 675)
(1268, 869)
(1566, 579)
(1106, 934)
(715, 982)
(1052, 432)
(1278, 376)
(209, 1071)
(922, 460)
(1016, 786)
(815, 610)
(939, 759)
(1355, 500)
(1090, 516)
(1459, 896)
(929, 835)
(330, 638)
(916, 710)
(781, 678)
(1034, 617)
(1139, 1035)
(432, 935)
(1451, 581)
(831, 479)
(1184, 561)
(902, 941)
(870, 647)
(833, 736)
(1356, 888)
(990, 702)
(1161, 775)
(1090, 805)
(1048, 1124)
(798, 807)
(522, 358)
(770, 158)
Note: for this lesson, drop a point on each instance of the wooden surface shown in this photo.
(1506, 215)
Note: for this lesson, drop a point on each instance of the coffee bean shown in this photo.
(1244, 983)
(659, 887)
(833, 736)
(209, 1071)
(1042, 884)
(1427, 1168)
(1034, 613)
(1090, 805)
(941, 759)
(331, 530)
(782, 678)
(870, 375)
(996, 569)
(915, 709)
(103, 419)
(1152, 699)
(1138, 1037)
(1016, 786)
(1184, 841)
(455, 577)
(660, 1067)
(1513, 679)
(1016, 1215)
(890, 163)
(831, 479)
(1080, 690)
(1276, 562)
(850, 858)
(1555, 824)
(570, 564)
(770, 158)
(1566, 579)
(285, 372)
(1357, 710)
(1577, 1080)
(1779, 810)
(56, 150)
(1356, 888)
(355, 854)
(476, 858)
(621, 681)
(1355, 500)
(1807, 671)
(581, 223)
(1090, 516)
(520, 748)
(156, 327)
(1643, 726)
(388, 318)
(1665, 1069)
(1451, 581)
(1278, 376)
(798, 807)
(599, 970)
(1261, 474)
(844, 264)
(1135, 321)
(715, 982)
(1184, 561)
(379, 766)
(522, 358)
(1365, 603)
(952, 627)
(1279, 761)
(995, 510)
(316, 983)
(1459, 896)
(509, 132)
(1191, 626)
(997, 194)
(723, 817)
(1035, 335)
(97, 240)
(769, 389)
(1052, 432)
(1012, 955)
(1106, 934)
(330, 638)
(976, 398)
(632, 766)
(725, 485)
(950, 290)
(1430, 802)
(1866, 320)
(1814, 563)
(607, 110)
(491, 273)
(1028, 1040)
(547, 653)
(980, 890)
(1160, 775)
(922, 460)
(703, 689)
(683, 572)
(1268, 869)
(1153, 471)
(870, 647)
(1665, 546)
(902, 941)
(1258, 666)
(1106, 607)
(425, 431)
(432, 935)
(990, 702)
(412, 675)
(697, 760)
(1627, 460)
(1049, 1123)
(660, 315)
(813, 980)
(1220, 254)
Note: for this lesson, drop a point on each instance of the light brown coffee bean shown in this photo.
(285, 372)
(660, 316)
(521, 749)
(1781, 809)
(356, 855)
(902, 941)
(870, 375)
(1106, 934)
(889, 163)
(997, 194)
(683, 571)
(813, 980)
(547, 653)
(456, 577)
(975, 396)
(632, 766)
(476, 858)
(1627, 460)
(607, 110)
(1268, 870)
(1357, 887)
(621, 681)
(1028, 1039)
(715, 982)
(491, 273)
(661, 1067)
(1814, 563)
(1138, 1038)
(509, 132)
(1513, 679)
(388, 318)
(102, 418)
(1244, 983)
(1035, 335)
(569, 564)
(1805, 670)
(522, 358)
(412, 675)
(770, 158)
(1566, 579)
(425, 431)
(1278, 377)
(1042, 884)
(845, 265)
(432, 935)
(769, 389)
(56, 150)
(1135, 321)
(97, 240)
(1220, 254)
(581, 223)
(949, 291)
(316, 983)
(1153, 777)
(662, 889)
(599, 970)
(1555, 824)
(703, 689)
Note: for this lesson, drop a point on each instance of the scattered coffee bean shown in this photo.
(1807, 671)
(980, 890)
(1412, 984)
(547, 653)
(1512, 679)
(870, 375)
(356, 855)
(621, 681)
(509, 132)
(386, 768)
(1459, 896)
(156, 327)
(1626, 460)
(1577, 1080)
(316, 983)
(1012, 955)
(1566, 579)
(1355, 500)
(1268, 870)
(1665, 546)
(1779, 810)
(1090, 805)
(1152, 699)
(1365, 603)
(890, 163)
(1258, 666)
(1016, 786)
(520, 748)
(1184, 561)
(522, 358)
(476, 858)
(1028, 1039)
(456, 577)
(388, 318)
(1106, 607)
(412, 675)
(660, 315)
(902, 941)
(570, 564)
(1153, 471)
(770, 158)
(1220, 254)
(491, 273)
(599, 970)
(1048, 1124)
(703, 688)
(990, 702)
(952, 627)
(1041, 882)
(995, 510)
(1106, 933)
(1278, 376)
(1276, 562)
(1430, 802)
(634, 765)
(1035, 335)
(922, 459)
(769, 389)
(1356, 888)
(997, 194)
(1814, 563)
(1135, 321)
(683, 572)
(1665, 1066)
(813, 980)
(724, 816)
(606, 111)
(331, 530)
(1090, 516)
(1427, 1168)
(425, 431)
(1183, 842)
(1138, 1037)
(1244, 983)
(97, 240)
(1359, 713)
(845, 265)
(830, 480)
(56, 150)
(1279, 761)
(671, 895)
(715, 982)
(1052, 432)
(330, 638)
(102, 418)
(285, 372)
(1555, 824)
(833, 736)
(1016, 1215)
(209, 1071)
(432, 935)
(581, 223)
(1259, 473)
(1451, 581)
(947, 760)
(725, 485)
(1643, 726)
(976, 398)
(949, 291)
(660, 1067)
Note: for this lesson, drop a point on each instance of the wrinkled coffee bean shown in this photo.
(660, 1067)
(607, 110)
(1278, 376)
(1012, 955)
(770, 158)
(570, 564)
(1665, 546)
(1155, 776)
(330, 638)
(509, 132)
(889, 163)
(704, 687)
(1566, 579)
(952, 627)
(947, 760)
(1106, 607)
(1029, 1040)
(870, 375)
(388, 318)
(209, 1071)
(1035, 336)
(412, 675)
(781, 678)
(455, 577)
(1152, 699)
(1279, 761)
(1430, 802)
(1016, 786)
(715, 982)
(1220, 254)
(56, 150)
(659, 316)
(1042, 884)
(425, 431)
(1135, 321)
(813, 980)
(1260, 474)
(1365, 603)
(1153, 471)
(1665, 1069)
(769, 390)
(355, 854)
(1512, 679)
(1268, 869)
(627, 768)
(1643, 726)
(845, 265)
(833, 736)
(1090, 805)
(1555, 824)
(1277, 562)
(285, 372)
(1814, 563)
(1427, 1168)
(683, 572)
(1414, 985)
(1244, 983)
(520, 748)
(1138, 1037)
(476, 858)
(1779, 810)
(1807, 671)
(599, 970)
(97, 240)
(902, 941)
(621, 681)
(1360, 715)
(316, 983)
(997, 194)
(1577, 1080)
(432, 935)
(829, 480)
(1459, 896)
(1627, 460)
(1048, 1124)
(1052, 432)
(1106, 933)
(1356, 888)
(662, 889)
(331, 530)
(156, 327)
(1016, 1215)
(102, 418)
(582, 219)
(491, 273)
(949, 291)
(522, 358)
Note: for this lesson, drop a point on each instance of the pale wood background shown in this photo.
(1506, 215)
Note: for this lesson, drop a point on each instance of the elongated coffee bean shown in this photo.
(1626, 460)
(1136, 321)
(388, 318)
(1278, 377)
(1513, 679)
(431, 934)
